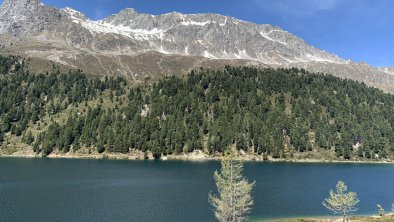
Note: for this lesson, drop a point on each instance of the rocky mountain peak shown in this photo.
(19, 18)
(20, 3)
(128, 11)
(74, 13)
(122, 17)
(210, 35)
(126, 14)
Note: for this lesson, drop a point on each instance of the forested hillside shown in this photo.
(273, 113)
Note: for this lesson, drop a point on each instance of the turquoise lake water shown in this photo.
(105, 190)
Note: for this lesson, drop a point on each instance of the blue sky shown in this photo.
(362, 30)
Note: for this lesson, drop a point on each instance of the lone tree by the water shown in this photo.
(341, 202)
(234, 201)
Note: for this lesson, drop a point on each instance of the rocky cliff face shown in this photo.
(117, 43)
(388, 70)
(26, 17)
(211, 36)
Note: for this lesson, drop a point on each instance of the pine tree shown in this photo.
(234, 201)
(341, 202)
(28, 138)
(1, 137)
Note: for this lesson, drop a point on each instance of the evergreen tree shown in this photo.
(234, 201)
(341, 201)
(28, 138)
(1, 137)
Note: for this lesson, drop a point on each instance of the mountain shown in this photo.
(140, 45)
(128, 32)
(388, 70)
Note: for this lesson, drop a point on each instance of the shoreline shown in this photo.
(369, 217)
(192, 157)
(352, 218)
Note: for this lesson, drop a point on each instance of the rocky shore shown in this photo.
(196, 155)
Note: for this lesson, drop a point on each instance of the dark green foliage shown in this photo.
(10, 63)
(28, 138)
(100, 147)
(248, 108)
(26, 98)
(1, 137)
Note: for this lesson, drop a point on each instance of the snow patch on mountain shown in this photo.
(266, 35)
(195, 23)
(101, 27)
(208, 35)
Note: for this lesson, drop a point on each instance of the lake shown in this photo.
(106, 190)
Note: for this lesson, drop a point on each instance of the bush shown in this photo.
(100, 148)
